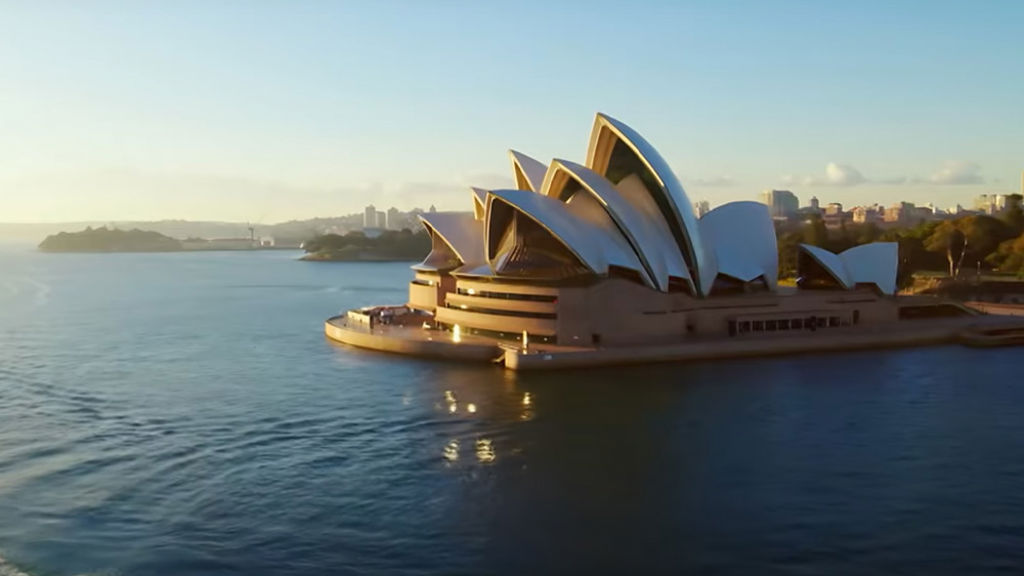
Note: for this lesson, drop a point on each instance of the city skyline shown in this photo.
(203, 118)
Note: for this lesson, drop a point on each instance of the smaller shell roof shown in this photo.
(479, 202)
(831, 262)
(595, 247)
(532, 170)
(460, 231)
(876, 263)
(743, 237)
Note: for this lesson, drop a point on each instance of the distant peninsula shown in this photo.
(110, 240)
(389, 245)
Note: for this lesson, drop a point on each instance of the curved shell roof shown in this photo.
(596, 247)
(528, 173)
(648, 236)
(743, 237)
(831, 262)
(605, 133)
(479, 202)
(460, 231)
(876, 263)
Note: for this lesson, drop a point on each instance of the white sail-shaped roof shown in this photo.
(648, 236)
(831, 262)
(479, 202)
(678, 212)
(743, 237)
(596, 247)
(528, 173)
(461, 231)
(876, 263)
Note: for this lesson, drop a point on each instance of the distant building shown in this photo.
(834, 215)
(394, 219)
(990, 203)
(370, 217)
(867, 214)
(781, 203)
(381, 220)
(815, 205)
(701, 208)
(432, 209)
(906, 214)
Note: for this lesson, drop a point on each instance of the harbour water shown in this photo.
(183, 414)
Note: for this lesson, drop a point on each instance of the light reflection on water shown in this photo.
(189, 405)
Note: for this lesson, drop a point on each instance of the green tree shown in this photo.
(1009, 257)
(1013, 215)
(976, 236)
(950, 240)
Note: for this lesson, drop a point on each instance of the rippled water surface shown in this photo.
(183, 414)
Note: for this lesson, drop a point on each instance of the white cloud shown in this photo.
(843, 175)
(835, 175)
(957, 173)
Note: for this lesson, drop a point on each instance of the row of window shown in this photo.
(510, 336)
(508, 295)
(496, 312)
(786, 324)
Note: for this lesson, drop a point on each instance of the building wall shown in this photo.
(429, 289)
(620, 312)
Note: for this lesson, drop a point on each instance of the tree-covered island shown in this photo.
(391, 245)
(110, 240)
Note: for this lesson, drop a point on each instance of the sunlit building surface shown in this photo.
(607, 261)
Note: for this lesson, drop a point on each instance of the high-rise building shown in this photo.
(382, 219)
(781, 203)
(394, 219)
(370, 217)
(990, 203)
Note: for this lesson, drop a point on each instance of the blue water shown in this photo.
(183, 414)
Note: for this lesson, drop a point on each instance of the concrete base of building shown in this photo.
(412, 341)
(417, 341)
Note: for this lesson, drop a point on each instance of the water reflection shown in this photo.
(484, 450)
(451, 450)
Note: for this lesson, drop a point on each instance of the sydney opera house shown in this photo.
(608, 258)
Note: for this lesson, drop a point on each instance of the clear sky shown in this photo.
(268, 111)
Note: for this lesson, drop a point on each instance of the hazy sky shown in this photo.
(270, 111)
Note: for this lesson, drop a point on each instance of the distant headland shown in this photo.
(113, 239)
(110, 240)
(388, 246)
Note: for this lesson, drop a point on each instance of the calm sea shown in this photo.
(183, 414)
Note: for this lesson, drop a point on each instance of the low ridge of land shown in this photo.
(110, 240)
